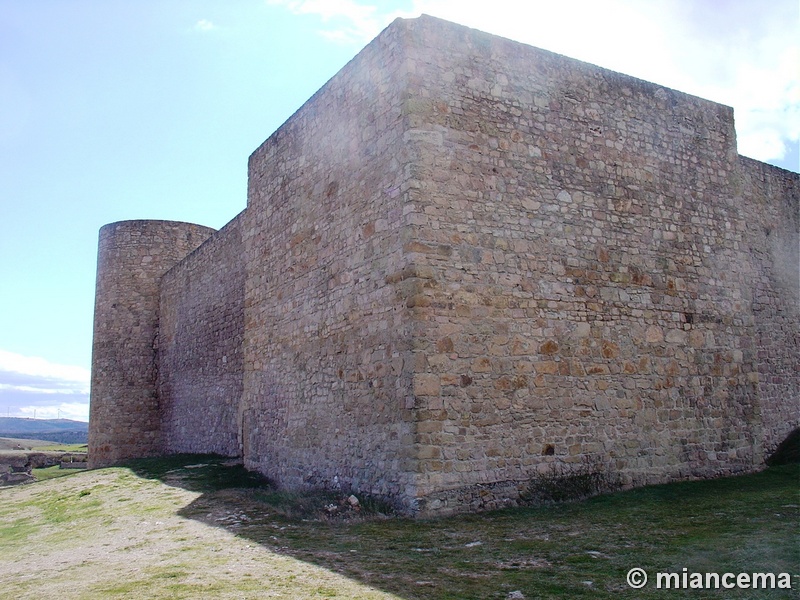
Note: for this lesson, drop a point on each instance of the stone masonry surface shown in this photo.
(587, 245)
(201, 327)
(328, 368)
(133, 256)
(465, 263)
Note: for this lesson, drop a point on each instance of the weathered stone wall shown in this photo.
(590, 288)
(125, 419)
(466, 263)
(327, 346)
(201, 328)
(771, 201)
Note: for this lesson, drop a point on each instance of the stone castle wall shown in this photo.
(200, 358)
(581, 289)
(591, 290)
(466, 263)
(771, 198)
(327, 347)
(125, 418)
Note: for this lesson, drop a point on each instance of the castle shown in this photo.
(465, 263)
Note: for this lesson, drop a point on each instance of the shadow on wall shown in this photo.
(548, 552)
(788, 451)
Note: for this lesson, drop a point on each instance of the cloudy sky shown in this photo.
(120, 109)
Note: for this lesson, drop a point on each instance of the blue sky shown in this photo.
(123, 109)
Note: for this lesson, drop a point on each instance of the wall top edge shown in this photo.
(755, 163)
(434, 32)
(429, 22)
(153, 224)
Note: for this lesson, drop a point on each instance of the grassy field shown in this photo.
(16, 445)
(24, 444)
(39, 445)
(194, 527)
(53, 447)
(46, 473)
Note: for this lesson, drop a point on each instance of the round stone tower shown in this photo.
(124, 415)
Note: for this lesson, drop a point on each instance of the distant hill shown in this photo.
(22, 443)
(63, 431)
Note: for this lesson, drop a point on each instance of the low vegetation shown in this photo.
(202, 527)
(53, 447)
(16, 452)
(46, 473)
(7, 443)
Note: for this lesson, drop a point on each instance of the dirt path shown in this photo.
(110, 534)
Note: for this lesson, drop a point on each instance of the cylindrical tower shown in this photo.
(124, 415)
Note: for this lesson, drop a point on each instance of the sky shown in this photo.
(148, 109)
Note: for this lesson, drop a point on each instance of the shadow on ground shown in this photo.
(580, 550)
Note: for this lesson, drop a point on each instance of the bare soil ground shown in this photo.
(111, 534)
(196, 527)
(22, 444)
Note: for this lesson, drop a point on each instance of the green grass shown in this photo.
(51, 473)
(52, 516)
(254, 541)
(198, 472)
(61, 448)
(573, 550)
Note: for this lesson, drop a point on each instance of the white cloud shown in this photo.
(346, 21)
(31, 385)
(76, 411)
(47, 387)
(743, 54)
(204, 25)
(766, 99)
(52, 377)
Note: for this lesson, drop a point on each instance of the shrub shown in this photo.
(568, 482)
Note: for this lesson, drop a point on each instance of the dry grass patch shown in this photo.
(199, 527)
